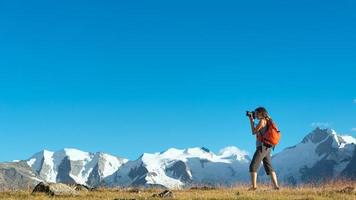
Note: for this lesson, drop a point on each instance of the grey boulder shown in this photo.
(54, 189)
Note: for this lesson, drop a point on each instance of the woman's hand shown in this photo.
(259, 126)
(252, 123)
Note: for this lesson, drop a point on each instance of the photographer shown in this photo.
(263, 150)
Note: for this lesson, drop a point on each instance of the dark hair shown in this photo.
(263, 111)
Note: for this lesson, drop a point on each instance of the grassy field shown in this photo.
(339, 191)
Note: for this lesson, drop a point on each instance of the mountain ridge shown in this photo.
(322, 154)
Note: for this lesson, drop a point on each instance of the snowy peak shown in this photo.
(322, 154)
(198, 152)
(175, 168)
(227, 153)
(318, 134)
(71, 165)
(328, 136)
(37, 159)
(49, 157)
(75, 154)
(109, 164)
(233, 152)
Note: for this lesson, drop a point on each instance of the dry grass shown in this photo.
(331, 190)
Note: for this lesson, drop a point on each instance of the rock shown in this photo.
(80, 187)
(164, 194)
(54, 189)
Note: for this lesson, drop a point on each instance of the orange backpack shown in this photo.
(272, 134)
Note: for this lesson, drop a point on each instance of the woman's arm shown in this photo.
(260, 125)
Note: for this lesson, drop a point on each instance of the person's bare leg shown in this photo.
(274, 180)
(253, 180)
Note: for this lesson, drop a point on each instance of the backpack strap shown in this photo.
(260, 135)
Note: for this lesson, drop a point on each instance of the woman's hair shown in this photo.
(263, 111)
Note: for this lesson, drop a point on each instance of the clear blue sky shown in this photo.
(127, 77)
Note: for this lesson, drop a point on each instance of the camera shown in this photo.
(251, 114)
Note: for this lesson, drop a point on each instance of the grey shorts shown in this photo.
(262, 153)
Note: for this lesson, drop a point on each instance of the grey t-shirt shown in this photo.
(262, 131)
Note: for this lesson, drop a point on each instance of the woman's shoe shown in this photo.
(276, 188)
(252, 189)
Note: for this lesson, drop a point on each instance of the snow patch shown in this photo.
(349, 139)
(232, 151)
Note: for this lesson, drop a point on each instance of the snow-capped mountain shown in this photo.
(321, 155)
(74, 166)
(176, 168)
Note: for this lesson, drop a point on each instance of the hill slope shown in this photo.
(321, 155)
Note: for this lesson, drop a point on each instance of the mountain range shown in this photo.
(321, 155)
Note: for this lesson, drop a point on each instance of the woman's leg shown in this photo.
(253, 180)
(267, 164)
(255, 163)
(274, 180)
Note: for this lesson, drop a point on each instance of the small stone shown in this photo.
(164, 194)
(80, 187)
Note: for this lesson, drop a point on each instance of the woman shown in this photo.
(263, 151)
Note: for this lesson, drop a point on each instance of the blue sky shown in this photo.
(142, 76)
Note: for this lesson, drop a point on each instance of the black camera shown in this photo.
(251, 114)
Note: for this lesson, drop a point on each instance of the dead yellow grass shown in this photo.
(331, 190)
